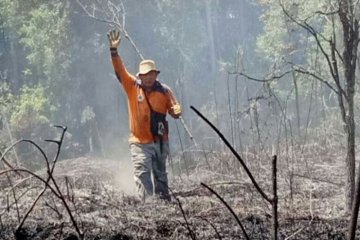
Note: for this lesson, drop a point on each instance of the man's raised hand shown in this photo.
(114, 38)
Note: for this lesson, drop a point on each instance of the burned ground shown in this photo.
(311, 202)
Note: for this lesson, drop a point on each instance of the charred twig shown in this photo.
(69, 190)
(191, 233)
(32, 174)
(1, 223)
(28, 141)
(54, 208)
(6, 162)
(50, 168)
(21, 181)
(50, 171)
(213, 227)
(274, 202)
(9, 205)
(228, 207)
(12, 186)
(14, 196)
(256, 185)
(56, 192)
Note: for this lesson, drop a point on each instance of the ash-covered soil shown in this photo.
(100, 196)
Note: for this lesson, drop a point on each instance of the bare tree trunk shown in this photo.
(296, 102)
(350, 160)
(351, 41)
(356, 202)
(230, 110)
(348, 15)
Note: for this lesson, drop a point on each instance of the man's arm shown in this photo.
(124, 77)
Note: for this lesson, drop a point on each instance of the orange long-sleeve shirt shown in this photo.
(161, 99)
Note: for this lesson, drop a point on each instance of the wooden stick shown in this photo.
(275, 224)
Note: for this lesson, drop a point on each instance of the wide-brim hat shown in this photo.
(146, 66)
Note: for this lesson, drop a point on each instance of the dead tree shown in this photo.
(342, 68)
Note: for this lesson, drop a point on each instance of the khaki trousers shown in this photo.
(150, 169)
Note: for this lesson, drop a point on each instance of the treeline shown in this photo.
(267, 73)
(55, 64)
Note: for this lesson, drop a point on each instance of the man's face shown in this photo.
(148, 79)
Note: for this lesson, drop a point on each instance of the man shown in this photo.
(148, 102)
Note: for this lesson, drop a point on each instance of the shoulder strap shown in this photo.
(147, 100)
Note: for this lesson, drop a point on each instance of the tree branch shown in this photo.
(304, 71)
(228, 207)
(256, 185)
(272, 78)
(111, 18)
(314, 33)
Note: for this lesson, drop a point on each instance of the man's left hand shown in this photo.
(176, 111)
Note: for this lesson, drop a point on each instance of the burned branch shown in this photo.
(273, 201)
(50, 169)
(256, 185)
(228, 207)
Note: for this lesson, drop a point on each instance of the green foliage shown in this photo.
(39, 31)
(272, 42)
(6, 97)
(8, 12)
(282, 37)
(32, 107)
(45, 36)
(284, 41)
